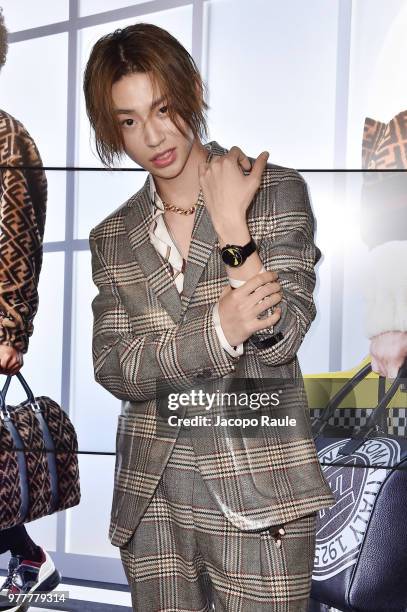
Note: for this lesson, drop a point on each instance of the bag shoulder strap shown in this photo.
(384, 398)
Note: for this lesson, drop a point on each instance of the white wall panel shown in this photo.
(271, 72)
(26, 14)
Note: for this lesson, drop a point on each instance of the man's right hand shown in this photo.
(239, 308)
(11, 360)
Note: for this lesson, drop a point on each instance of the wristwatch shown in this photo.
(234, 255)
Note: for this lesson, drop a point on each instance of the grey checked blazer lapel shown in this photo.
(203, 241)
(137, 219)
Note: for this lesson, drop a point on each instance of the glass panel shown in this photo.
(349, 224)
(90, 7)
(34, 90)
(55, 223)
(336, 202)
(100, 193)
(314, 351)
(23, 14)
(43, 361)
(93, 410)
(44, 532)
(279, 94)
(87, 525)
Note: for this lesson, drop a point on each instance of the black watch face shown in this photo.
(232, 256)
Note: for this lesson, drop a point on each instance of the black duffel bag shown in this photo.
(361, 541)
(39, 472)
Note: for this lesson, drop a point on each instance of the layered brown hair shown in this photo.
(145, 48)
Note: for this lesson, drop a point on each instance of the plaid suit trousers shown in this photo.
(185, 556)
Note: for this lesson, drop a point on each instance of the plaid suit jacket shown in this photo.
(148, 341)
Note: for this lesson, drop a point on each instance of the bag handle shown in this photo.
(384, 398)
(372, 426)
(5, 388)
(337, 399)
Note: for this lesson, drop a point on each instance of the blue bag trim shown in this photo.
(51, 459)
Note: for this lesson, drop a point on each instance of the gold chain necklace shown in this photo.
(191, 209)
(180, 211)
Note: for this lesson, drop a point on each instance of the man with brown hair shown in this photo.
(23, 198)
(205, 276)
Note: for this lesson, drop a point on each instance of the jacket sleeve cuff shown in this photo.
(384, 285)
(234, 351)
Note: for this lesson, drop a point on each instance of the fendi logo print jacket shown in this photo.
(23, 197)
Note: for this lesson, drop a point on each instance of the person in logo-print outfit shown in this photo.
(23, 197)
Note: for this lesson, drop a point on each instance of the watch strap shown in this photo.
(248, 248)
